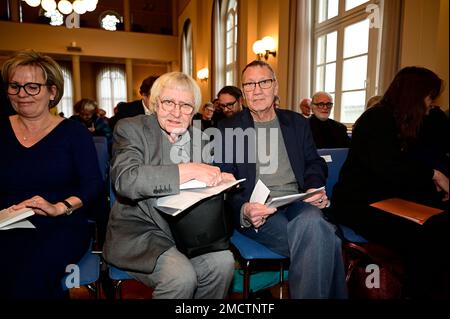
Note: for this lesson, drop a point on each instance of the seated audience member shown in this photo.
(373, 100)
(48, 164)
(432, 145)
(87, 114)
(380, 165)
(136, 107)
(298, 230)
(218, 112)
(230, 100)
(205, 116)
(305, 107)
(327, 133)
(139, 238)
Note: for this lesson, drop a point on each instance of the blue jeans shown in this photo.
(300, 232)
(177, 277)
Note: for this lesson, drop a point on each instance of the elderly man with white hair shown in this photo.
(327, 133)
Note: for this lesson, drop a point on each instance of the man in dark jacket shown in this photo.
(136, 107)
(327, 133)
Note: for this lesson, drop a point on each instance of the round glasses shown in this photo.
(30, 88)
(323, 105)
(169, 106)
(263, 84)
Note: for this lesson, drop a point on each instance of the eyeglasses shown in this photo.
(169, 106)
(228, 105)
(263, 84)
(30, 88)
(323, 105)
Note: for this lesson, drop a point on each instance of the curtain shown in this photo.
(390, 43)
(111, 88)
(66, 103)
(299, 63)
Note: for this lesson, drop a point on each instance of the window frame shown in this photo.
(112, 99)
(339, 23)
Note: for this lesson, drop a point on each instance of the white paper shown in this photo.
(175, 204)
(9, 216)
(21, 224)
(284, 200)
(260, 193)
(327, 158)
(193, 183)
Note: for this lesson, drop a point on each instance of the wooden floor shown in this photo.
(134, 290)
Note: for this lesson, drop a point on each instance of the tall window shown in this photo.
(66, 103)
(187, 63)
(225, 22)
(345, 54)
(111, 88)
(231, 32)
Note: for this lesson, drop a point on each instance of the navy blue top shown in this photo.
(62, 164)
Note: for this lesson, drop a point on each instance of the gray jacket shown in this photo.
(137, 233)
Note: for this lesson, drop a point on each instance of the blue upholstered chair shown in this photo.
(252, 252)
(89, 271)
(335, 158)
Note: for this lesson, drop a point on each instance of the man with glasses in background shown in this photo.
(297, 230)
(230, 100)
(327, 133)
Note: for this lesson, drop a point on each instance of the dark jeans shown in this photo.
(300, 232)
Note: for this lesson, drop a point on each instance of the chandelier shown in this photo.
(64, 6)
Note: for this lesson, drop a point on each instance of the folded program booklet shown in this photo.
(417, 213)
(9, 216)
(284, 200)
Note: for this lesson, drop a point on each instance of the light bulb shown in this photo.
(33, 3)
(48, 5)
(258, 47)
(90, 5)
(79, 6)
(65, 6)
(268, 43)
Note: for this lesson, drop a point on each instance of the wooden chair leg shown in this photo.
(246, 290)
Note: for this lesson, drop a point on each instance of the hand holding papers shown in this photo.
(10, 218)
(261, 192)
(175, 204)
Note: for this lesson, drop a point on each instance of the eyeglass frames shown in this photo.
(323, 105)
(263, 84)
(169, 106)
(30, 88)
(228, 105)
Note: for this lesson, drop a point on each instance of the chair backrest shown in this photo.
(101, 146)
(335, 158)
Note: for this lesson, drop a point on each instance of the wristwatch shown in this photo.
(69, 206)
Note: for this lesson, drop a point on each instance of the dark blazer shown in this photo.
(329, 133)
(309, 168)
(129, 109)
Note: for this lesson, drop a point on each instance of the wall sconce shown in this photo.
(264, 47)
(203, 74)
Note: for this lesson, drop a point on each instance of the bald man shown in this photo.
(305, 107)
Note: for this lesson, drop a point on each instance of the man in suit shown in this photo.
(137, 107)
(327, 133)
(151, 158)
(298, 230)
